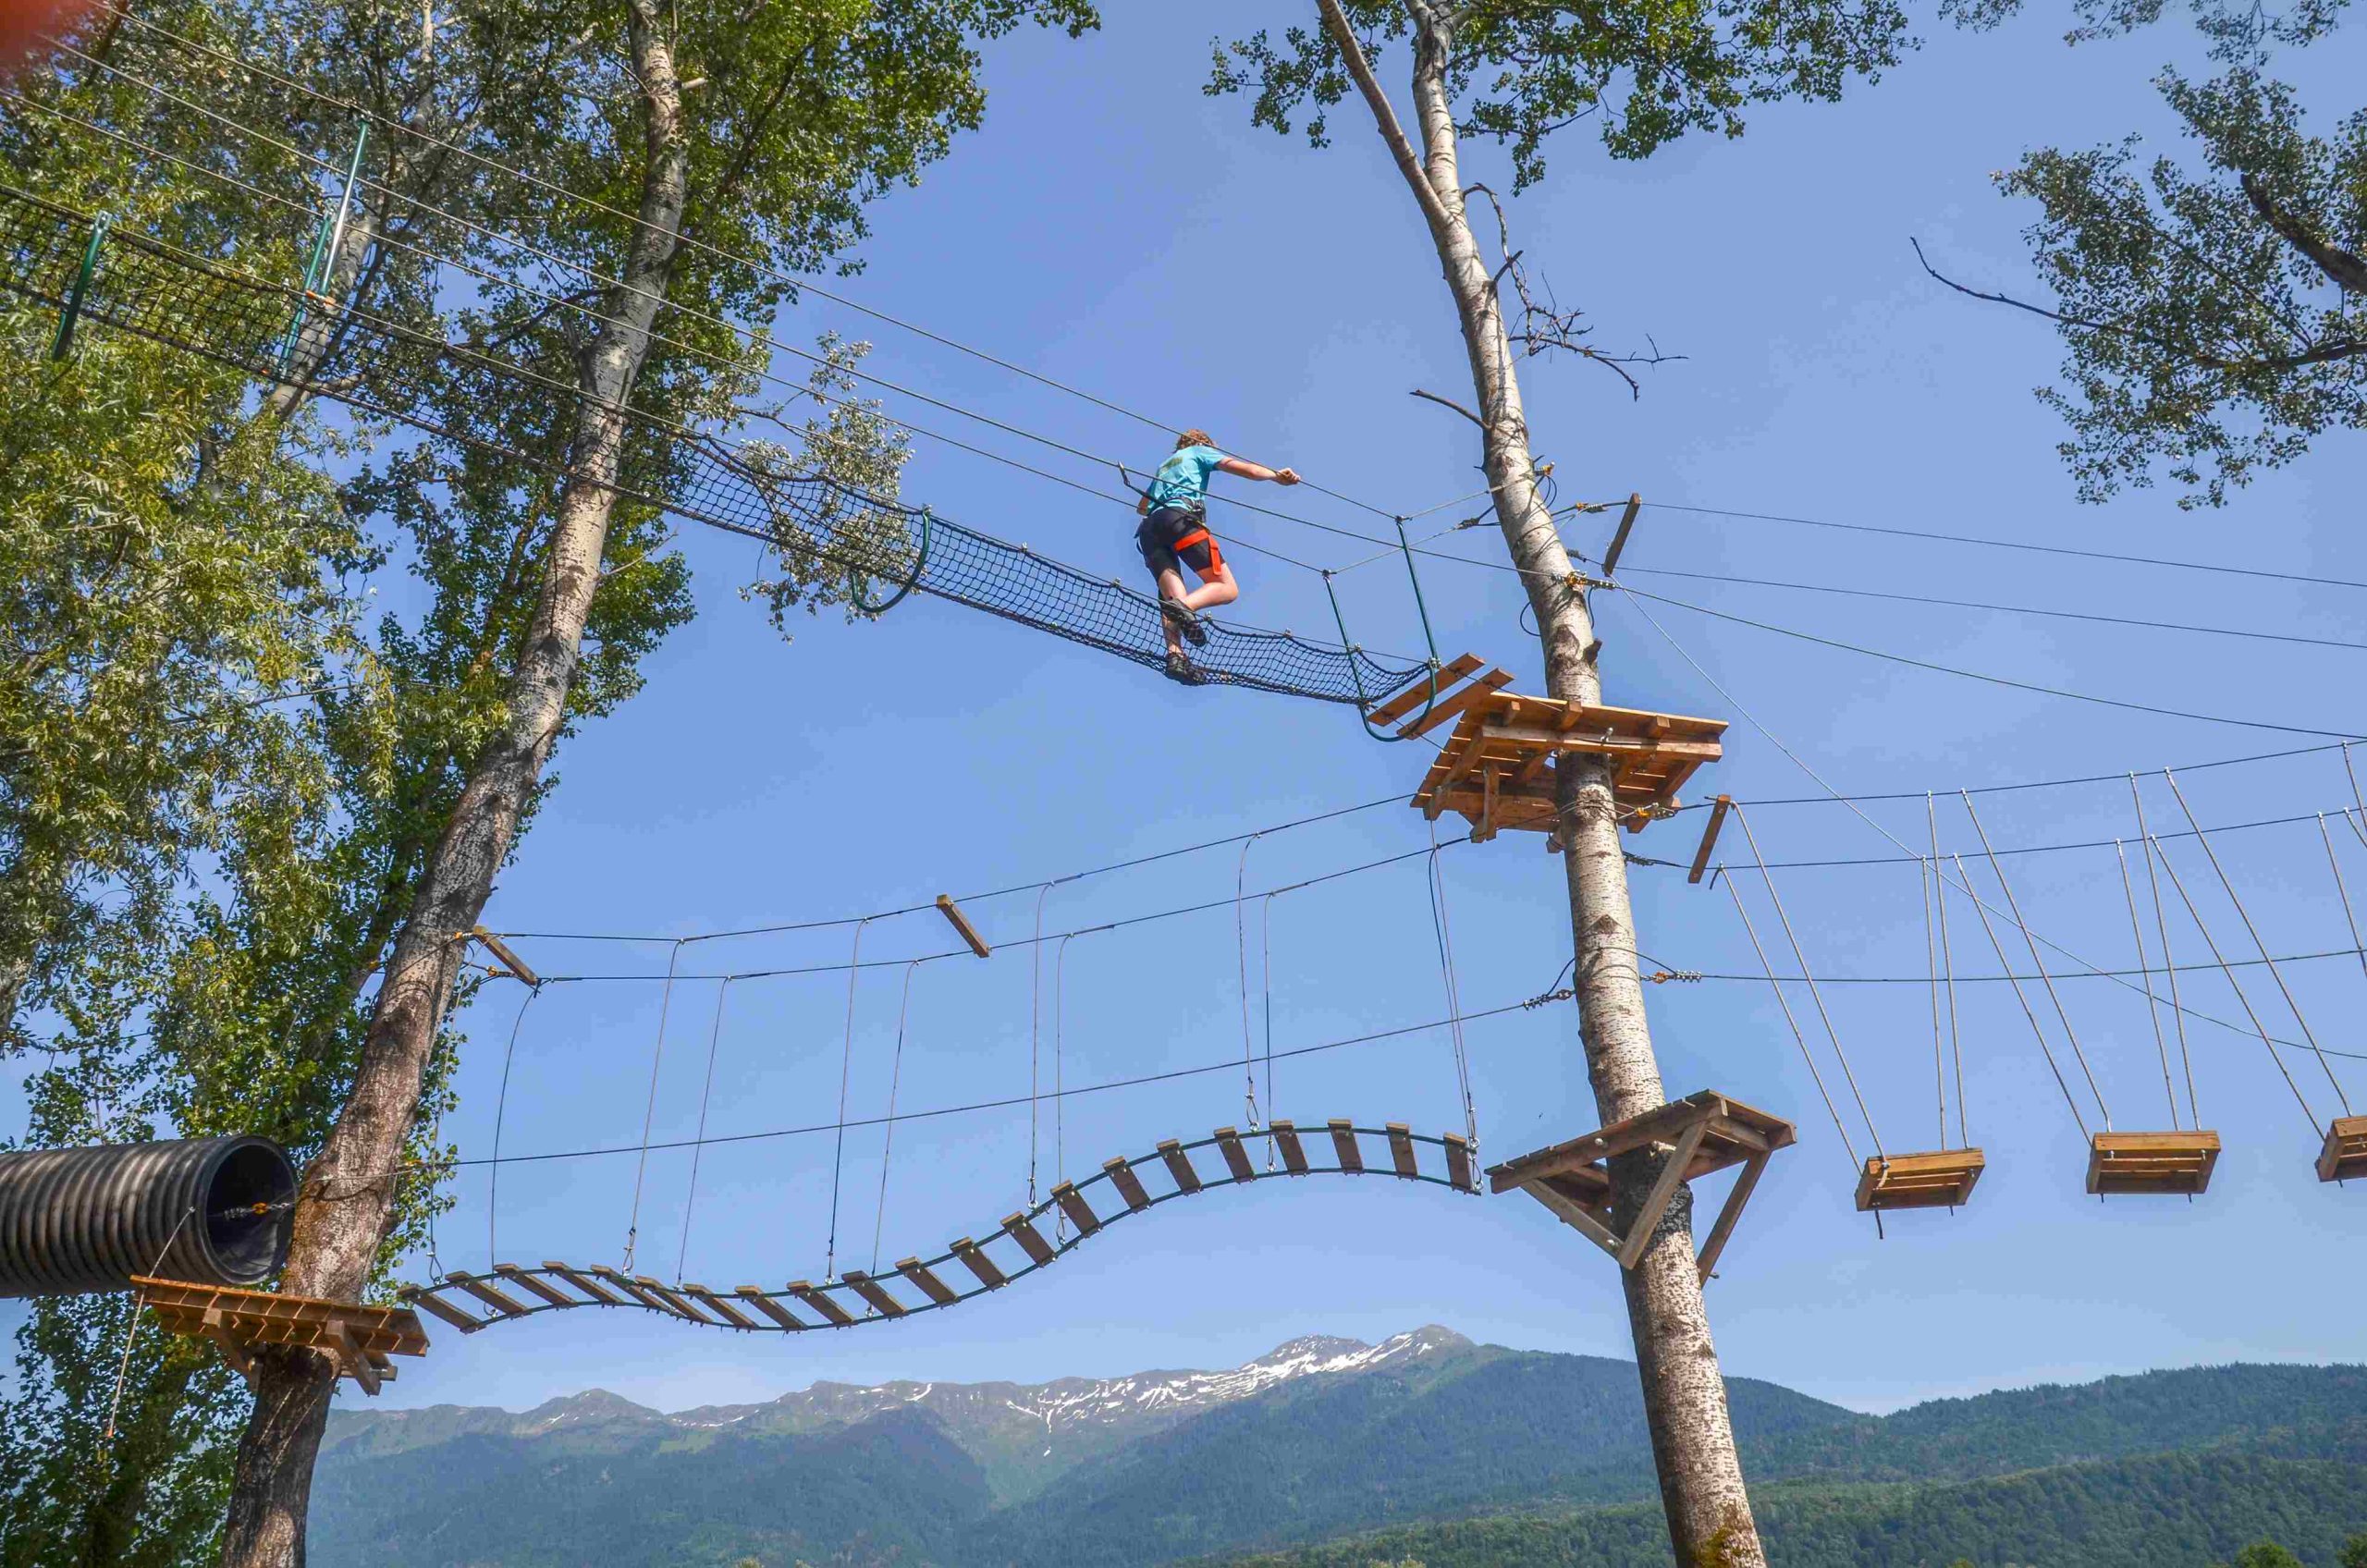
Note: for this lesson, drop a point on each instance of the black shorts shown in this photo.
(1174, 537)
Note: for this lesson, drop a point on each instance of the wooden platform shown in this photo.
(2152, 1162)
(2344, 1154)
(1705, 1133)
(1497, 767)
(1941, 1178)
(358, 1339)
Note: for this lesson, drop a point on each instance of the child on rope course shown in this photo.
(1174, 534)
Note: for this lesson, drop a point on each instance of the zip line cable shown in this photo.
(1993, 680)
(2215, 568)
(2145, 974)
(1836, 798)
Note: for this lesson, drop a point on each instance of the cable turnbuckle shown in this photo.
(1548, 999)
(1685, 976)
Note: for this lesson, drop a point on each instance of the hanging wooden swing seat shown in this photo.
(1705, 1133)
(2344, 1154)
(2175, 1163)
(1497, 767)
(1941, 1178)
(358, 1339)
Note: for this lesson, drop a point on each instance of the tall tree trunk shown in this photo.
(1684, 1397)
(346, 1205)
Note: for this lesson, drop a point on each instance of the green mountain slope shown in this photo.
(2167, 1511)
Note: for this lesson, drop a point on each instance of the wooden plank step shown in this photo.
(1344, 1144)
(1941, 1178)
(1030, 1238)
(2345, 1153)
(1401, 1149)
(1179, 1166)
(1286, 1135)
(1129, 1185)
(1414, 696)
(1236, 1158)
(920, 1274)
(2176, 1162)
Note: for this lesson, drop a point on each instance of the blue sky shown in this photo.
(1113, 228)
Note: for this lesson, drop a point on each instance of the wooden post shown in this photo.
(1709, 838)
(1619, 540)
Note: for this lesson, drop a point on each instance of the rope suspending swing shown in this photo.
(370, 363)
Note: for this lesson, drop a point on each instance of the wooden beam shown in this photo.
(1236, 1158)
(1732, 1211)
(974, 1258)
(1286, 1137)
(1458, 1162)
(1080, 1212)
(1710, 837)
(1344, 1144)
(468, 1323)
(770, 1307)
(961, 927)
(1401, 1149)
(1413, 696)
(512, 1274)
(674, 1303)
(804, 1291)
(1179, 1166)
(1619, 539)
(352, 1361)
(1493, 682)
(716, 1304)
(1129, 1185)
(874, 1293)
(920, 1274)
(501, 950)
(1029, 1237)
(1672, 1174)
(627, 1287)
(500, 1300)
(589, 1287)
(1569, 1212)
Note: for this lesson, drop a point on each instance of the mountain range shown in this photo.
(1331, 1454)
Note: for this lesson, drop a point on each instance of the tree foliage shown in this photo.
(2210, 305)
(1645, 73)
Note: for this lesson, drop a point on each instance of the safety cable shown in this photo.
(2253, 931)
(500, 1112)
(1815, 995)
(1981, 908)
(1924, 875)
(2145, 974)
(846, 1071)
(1948, 965)
(1993, 680)
(1444, 931)
(2177, 885)
(1798, 1037)
(2153, 848)
(706, 1097)
(2343, 891)
(1035, 1032)
(1836, 798)
(1241, 958)
(1060, 1118)
(649, 1113)
(888, 1133)
(2062, 1015)
(2216, 568)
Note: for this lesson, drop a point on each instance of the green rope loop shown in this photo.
(1365, 703)
(920, 565)
(326, 239)
(80, 289)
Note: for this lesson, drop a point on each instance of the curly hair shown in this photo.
(1194, 438)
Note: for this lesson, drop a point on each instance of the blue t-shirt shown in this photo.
(1183, 480)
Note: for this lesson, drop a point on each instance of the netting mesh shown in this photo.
(276, 333)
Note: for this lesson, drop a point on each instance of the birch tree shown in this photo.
(1513, 73)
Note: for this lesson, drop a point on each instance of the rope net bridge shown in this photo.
(1016, 1248)
(74, 263)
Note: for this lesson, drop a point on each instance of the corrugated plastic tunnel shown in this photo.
(213, 1211)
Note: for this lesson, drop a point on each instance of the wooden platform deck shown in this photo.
(2175, 1163)
(1705, 1133)
(1496, 771)
(2344, 1154)
(358, 1339)
(1940, 1179)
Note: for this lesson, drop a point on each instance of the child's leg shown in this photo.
(1171, 587)
(1217, 588)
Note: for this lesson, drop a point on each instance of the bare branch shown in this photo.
(1451, 403)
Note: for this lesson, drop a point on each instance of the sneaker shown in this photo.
(1181, 670)
(1187, 619)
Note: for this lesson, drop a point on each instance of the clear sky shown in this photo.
(1115, 228)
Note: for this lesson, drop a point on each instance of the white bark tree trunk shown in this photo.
(346, 1203)
(1684, 1397)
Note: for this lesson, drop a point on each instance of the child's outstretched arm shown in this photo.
(1242, 468)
